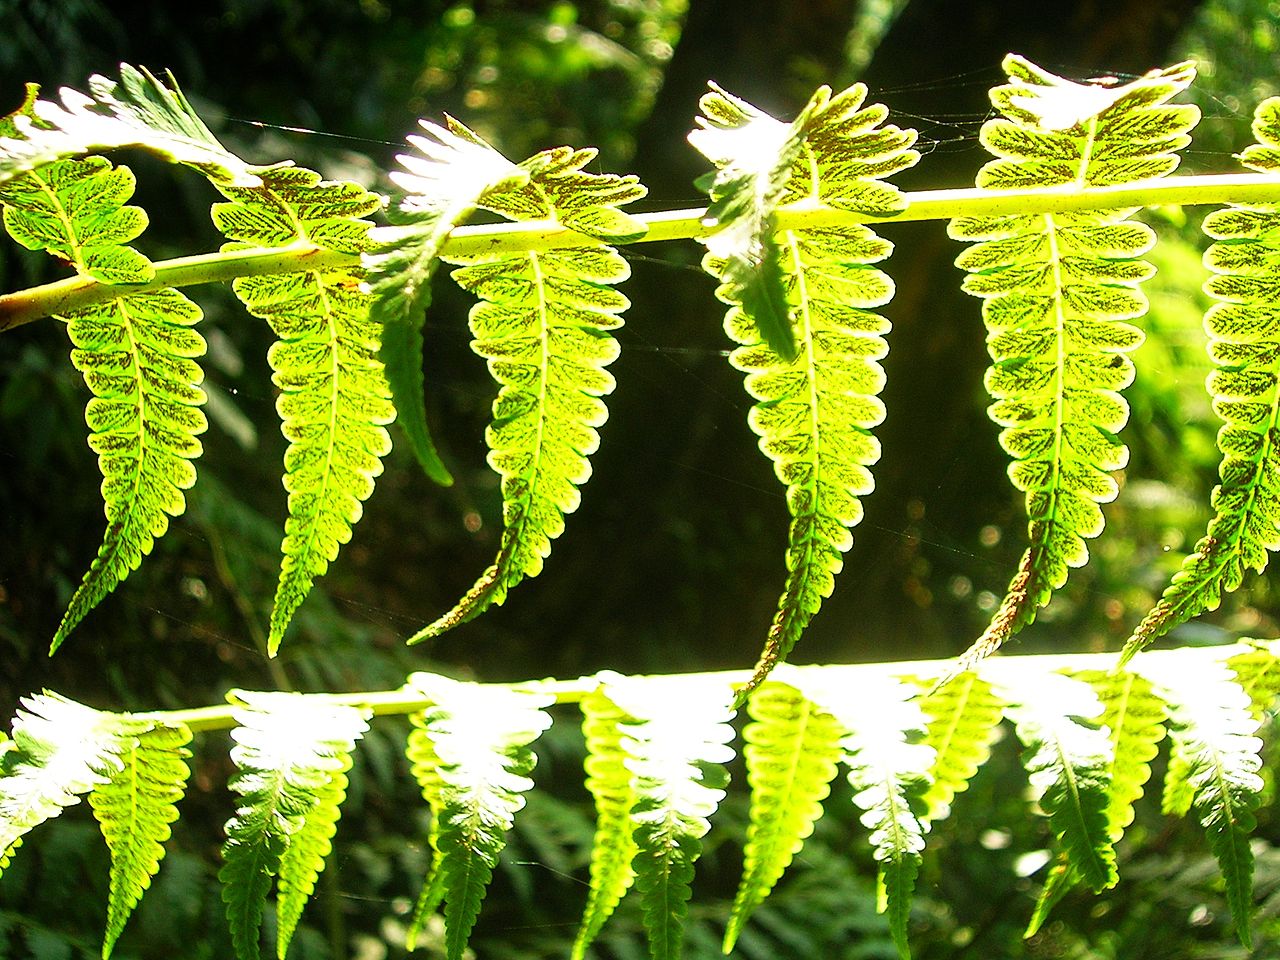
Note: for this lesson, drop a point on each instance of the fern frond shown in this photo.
(140, 111)
(792, 748)
(1244, 343)
(135, 808)
(334, 403)
(292, 753)
(611, 786)
(1057, 291)
(543, 325)
(1069, 757)
(137, 355)
(478, 740)
(964, 722)
(443, 182)
(675, 734)
(1134, 717)
(890, 763)
(816, 388)
(1215, 766)
(60, 751)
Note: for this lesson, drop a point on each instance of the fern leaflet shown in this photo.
(1069, 758)
(335, 402)
(424, 764)
(473, 773)
(140, 111)
(137, 355)
(889, 760)
(443, 185)
(964, 722)
(792, 748)
(816, 390)
(135, 807)
(1215, 766)
(612, 787)
(1134, 715)
(60, 751)
(1057, 291)
(292, 753)
(543, 325)
(675, 733)
(1245, 387)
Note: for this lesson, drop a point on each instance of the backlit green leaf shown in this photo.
(474, 769)
(334, 403)
(1244, 338)
(816, 387)
(544, 325)
(1058, 290)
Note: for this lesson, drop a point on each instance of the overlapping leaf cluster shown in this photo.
(133, 770)
(443, 181)
(656, 750)
(292, 754)
(139, 111)
(656, 769)
(470, 754)
(1059, 292)
(801, 307)
(139, 352)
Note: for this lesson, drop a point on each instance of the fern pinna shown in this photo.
(1058, 291)
(811, 347)
(1245, 389)
(334, 402)
(138, 355)
(292, 754)
(661, 747)
(470, 754)
(543, 324)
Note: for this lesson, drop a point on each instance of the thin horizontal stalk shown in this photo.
(64, 296)
(1010, 672)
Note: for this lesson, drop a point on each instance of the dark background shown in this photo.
(675, 560)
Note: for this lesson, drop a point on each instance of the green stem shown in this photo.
(64, 296)
(1015, 672)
